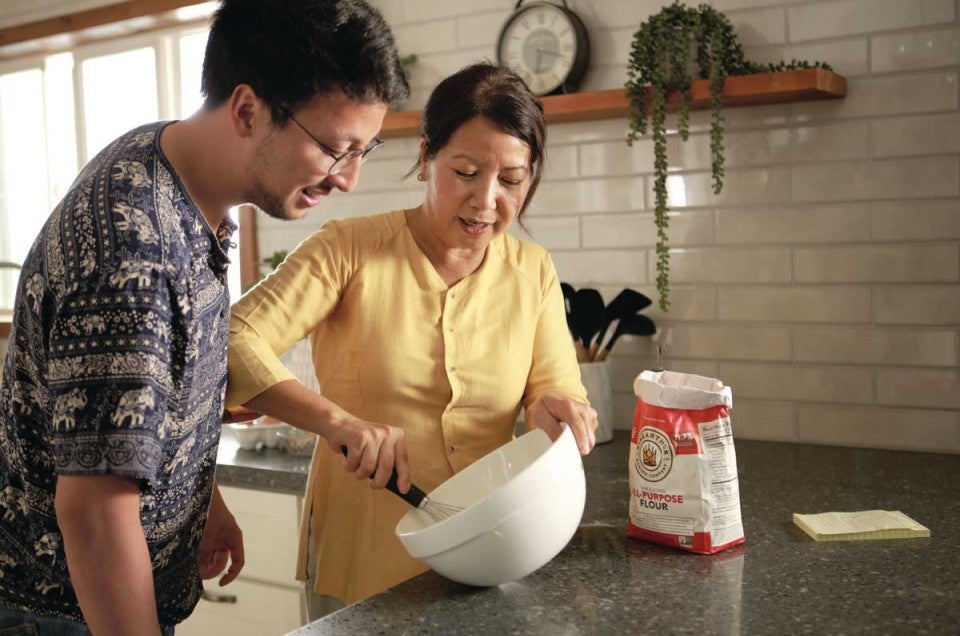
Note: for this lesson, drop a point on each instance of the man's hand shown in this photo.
(222, 542)
(548, 410)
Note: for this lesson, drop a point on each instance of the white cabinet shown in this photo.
(269, 599)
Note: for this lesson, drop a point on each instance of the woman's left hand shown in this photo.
(548, 410)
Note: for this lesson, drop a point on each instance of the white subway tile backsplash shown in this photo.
(798, 304)
(938, 11)
(706, 368)
(896, 95)
(624, 406)
(624, 370)
(925, 177)
(848, 57)
(760, 26)
(731, 342)
(602, 15)
(553, 233)
(422, 11)
(606, 77)
(915, 220)
(831, 384)
(729, 5)
(429, 37)
(431, 68)
(392, 10)
(818, 20)
(924, 135)
(916, 50)
(561, 162)
(612, 47)
(876, 346)
(729, 265)
(909, 429)
(585, 132)
(589, 195)
(877, 264)
(639, 230)
(581, 268)
(380, 176)
(761, 420)
(822, 283)
(741, 187)
(925, 388)
(405, 148)
(614, 158)
(798, 225)
(917, 304)
(804, 144)
(479, 31)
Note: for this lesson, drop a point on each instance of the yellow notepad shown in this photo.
(866, 524)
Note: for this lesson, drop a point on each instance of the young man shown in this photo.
(113, 386)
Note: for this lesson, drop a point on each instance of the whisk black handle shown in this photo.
(414, 496)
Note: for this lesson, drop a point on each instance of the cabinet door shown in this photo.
(271, 528)
(261, 610)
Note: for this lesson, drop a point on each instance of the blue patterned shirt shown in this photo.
(116, 366)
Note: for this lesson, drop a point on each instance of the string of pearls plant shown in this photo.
(665, 49)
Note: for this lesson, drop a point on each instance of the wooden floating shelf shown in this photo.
(742, 90)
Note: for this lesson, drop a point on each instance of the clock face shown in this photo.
(540, 43)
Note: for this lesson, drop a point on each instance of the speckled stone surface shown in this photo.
(778, 582)
(264, 469)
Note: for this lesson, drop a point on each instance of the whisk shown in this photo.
(437, 510)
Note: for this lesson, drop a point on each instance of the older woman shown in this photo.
(432, 320)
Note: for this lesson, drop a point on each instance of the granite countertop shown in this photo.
(779, 581)
(265, 469)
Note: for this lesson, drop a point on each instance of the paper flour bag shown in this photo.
(683, 468)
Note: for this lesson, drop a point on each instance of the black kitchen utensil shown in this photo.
(438, 511)
(587, 309)
(636, 325)
(627, 303)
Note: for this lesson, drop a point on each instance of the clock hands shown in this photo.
(540, 51)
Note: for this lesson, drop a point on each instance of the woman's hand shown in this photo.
(548, 410)
(373, 450)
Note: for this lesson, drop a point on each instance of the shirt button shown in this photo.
(451, 448)
(452, 369)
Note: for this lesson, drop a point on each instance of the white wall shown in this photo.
(823, 284)
(22, 11)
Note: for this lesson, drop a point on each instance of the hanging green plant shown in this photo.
(665, 49)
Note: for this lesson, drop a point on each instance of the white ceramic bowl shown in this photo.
(522, 503)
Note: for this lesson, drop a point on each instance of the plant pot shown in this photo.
(596, 380)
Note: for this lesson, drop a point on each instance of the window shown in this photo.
(58, 111)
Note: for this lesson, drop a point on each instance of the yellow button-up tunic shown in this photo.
(393, 344)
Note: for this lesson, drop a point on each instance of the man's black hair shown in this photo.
(290, 51)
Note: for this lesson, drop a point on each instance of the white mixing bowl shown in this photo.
(522, 503)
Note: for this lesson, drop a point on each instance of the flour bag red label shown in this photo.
(684, 490)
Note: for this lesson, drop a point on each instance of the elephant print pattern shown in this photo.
(116, 365)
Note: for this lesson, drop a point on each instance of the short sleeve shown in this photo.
(111, 372)
(285, 307)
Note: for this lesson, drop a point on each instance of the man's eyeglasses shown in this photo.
(340, 161)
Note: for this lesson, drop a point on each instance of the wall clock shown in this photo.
(547, 45)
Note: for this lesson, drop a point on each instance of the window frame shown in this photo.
(165, 41)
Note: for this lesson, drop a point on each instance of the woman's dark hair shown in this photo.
(495, 93)
(290, 51)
